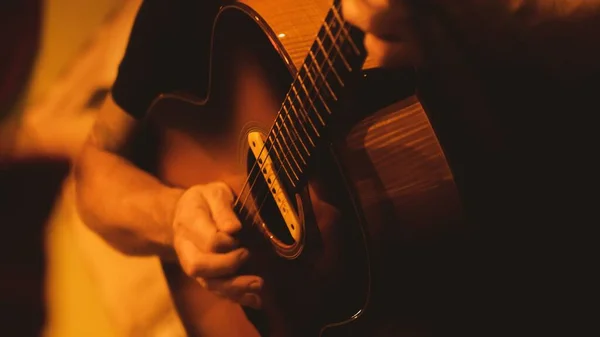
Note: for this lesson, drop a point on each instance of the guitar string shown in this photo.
(336, 38)
(272, 144)
(279, 128)
(342, 29)
(273, 128)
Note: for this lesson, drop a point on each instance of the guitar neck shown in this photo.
(334, 58)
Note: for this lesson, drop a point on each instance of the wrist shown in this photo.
(169, 201)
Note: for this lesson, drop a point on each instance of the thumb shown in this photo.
(390, 54)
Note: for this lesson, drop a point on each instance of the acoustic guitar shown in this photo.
(336, 169)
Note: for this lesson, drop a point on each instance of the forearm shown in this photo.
(128, 207)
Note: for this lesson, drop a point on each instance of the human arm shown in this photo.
(128, 207)
(138, 215)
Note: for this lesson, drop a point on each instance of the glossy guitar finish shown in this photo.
(376, 187)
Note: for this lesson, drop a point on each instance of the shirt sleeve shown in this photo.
(168, 49)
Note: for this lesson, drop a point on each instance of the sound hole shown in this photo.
(268, 210)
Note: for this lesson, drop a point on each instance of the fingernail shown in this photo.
(252, 300)
(255, 285)
(243, 254)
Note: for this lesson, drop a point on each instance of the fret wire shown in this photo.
(289, 153)
(340, 54)
(301, 124)
(340, 21)
(298, 117)
(285, 154)
(279, 158)
(275, 139)
(314, 64)
(282, 158)
(298, 137)
(288, 146)
(298, 167)
(318, 45)
(307, 71)
(315, 110)
(326, 57)
(306, 111)
(304, 114)
(314, 60)
(316, 88)
(313, 81)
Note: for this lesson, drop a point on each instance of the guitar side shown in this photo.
(385, 175)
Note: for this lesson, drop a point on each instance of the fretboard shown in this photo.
(335, 56)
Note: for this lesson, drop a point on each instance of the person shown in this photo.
(502, 49)
(128, 207)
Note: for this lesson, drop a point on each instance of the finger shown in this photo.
(199, 227)
(224, 243)
(247, 298)
(197, 263)
(203, 233)
(383, 18)
(358, 13)
(234, 288)
(220, 199)
(390, 54)
(251, 300)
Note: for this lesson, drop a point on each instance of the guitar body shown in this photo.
(377, 190)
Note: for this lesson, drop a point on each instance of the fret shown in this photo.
(291, 137)
(301, 125)
(299, 117)
(341, 22)
(299, 137)
(289, 168)
(296, 168)
(331, 64)
(316, 87)
(333, 26)
(289, 149)
(316, 60)
(318, 69)
(315, 105)
(301, 113)
(312, 104)
(280, 161)
(335, 45)
(287, 120)
(314, 94)
(304, 111)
